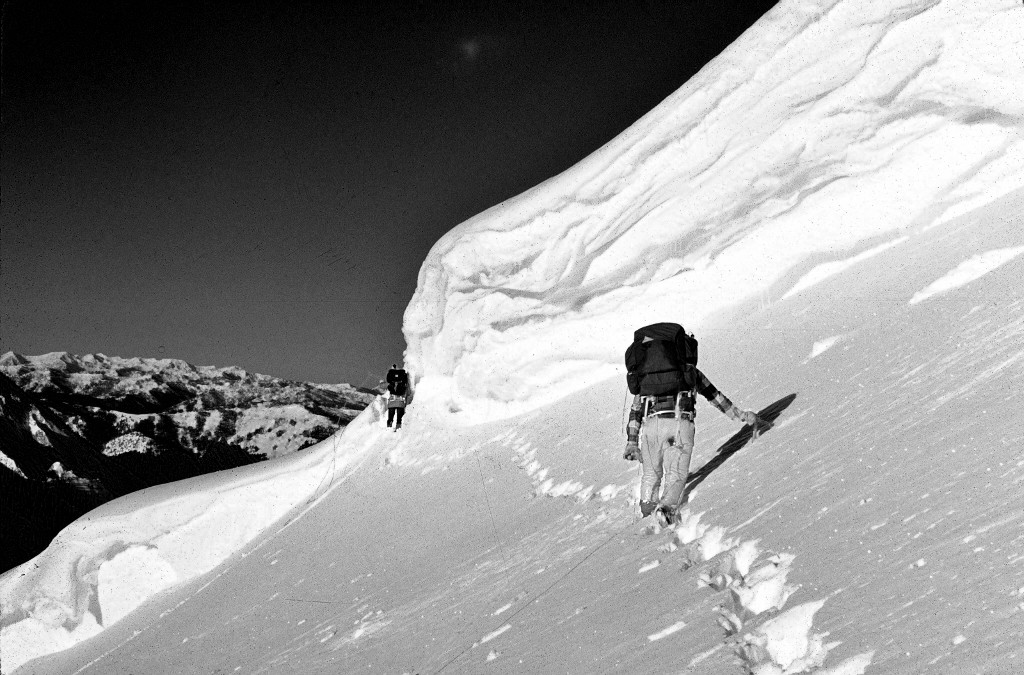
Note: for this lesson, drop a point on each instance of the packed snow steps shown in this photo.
(544, 486)
(766, 639)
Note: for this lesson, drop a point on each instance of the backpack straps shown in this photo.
(679, 415)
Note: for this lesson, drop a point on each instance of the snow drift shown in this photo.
(882, 136)
(826, 128)
(114, 558)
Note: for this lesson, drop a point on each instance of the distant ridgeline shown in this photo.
(76, 431)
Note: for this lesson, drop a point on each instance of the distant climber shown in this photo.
(662, 374)
(398, 390)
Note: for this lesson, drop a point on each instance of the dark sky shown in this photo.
(256, 184)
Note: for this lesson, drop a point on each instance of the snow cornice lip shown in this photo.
(821, 129)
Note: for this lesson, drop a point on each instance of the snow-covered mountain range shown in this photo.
(76, 431)
(834, 206)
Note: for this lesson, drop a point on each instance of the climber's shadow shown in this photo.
(742, 437)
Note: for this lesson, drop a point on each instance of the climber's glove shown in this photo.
(632, 452)
(748, 417)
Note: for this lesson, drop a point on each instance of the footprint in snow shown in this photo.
(784, 643)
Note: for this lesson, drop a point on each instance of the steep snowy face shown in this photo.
(828, 129)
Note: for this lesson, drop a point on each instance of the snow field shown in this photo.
(861, 478)
(787, 644)
(884, 136)
(105, 565)
(851, 488)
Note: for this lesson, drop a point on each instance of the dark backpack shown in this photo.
(398, 380)
(665, 364)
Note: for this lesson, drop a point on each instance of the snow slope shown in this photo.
(875, 529)
(118, 425)
(827, 128)
(881, 510)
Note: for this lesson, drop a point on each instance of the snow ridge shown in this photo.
(826, 127)
(100, 568)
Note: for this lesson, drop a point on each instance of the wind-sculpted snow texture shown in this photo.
(876, 528)
(829, 127)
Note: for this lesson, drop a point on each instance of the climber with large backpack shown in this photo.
(662, 375)
(398, 391)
